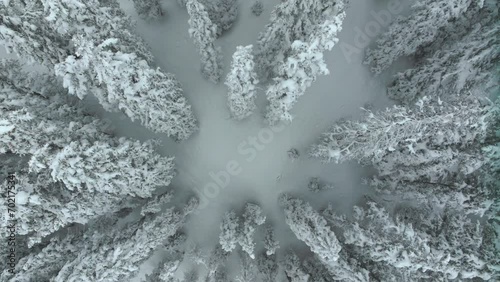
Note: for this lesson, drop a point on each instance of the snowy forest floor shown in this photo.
(271, 172)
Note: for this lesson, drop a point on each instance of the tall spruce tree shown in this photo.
(204, 33)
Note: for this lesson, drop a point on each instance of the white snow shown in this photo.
(5, 127)
(22, 198)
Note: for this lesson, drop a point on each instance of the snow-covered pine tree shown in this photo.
(230, 231)
(44, 207)
(73, 145)
(117, 255)
(165, 271)
(317, 270)
(97, 21)
(347, 268)
(299, 69)
(44, 264)
(491, 169)
(268, 267)
(51, 26)
(191, 276)
(148, 95)
(148, 9)
(222, 13)
(216, 262)
(241, 82)
(204, 32)
(290, 21)
(219, 275)
(448, 245)
(155, 204)
(432, 151)
(270, 242)
(121, 167)
(25, 32)
(430, 125)
(311, 228)
(417, 30)
(465, 65)
(248, 271)
(253, 217)
(293, 268)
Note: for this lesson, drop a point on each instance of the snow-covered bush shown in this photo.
(257, 8)
(316, 185)
(293, 154)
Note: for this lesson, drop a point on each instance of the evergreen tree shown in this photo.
(248, 271)
(293, 268)
(417, 30)
(230, 231)
(290, 21)
(429, 152)
(148, 9)
(117, 256)
(241, 82)
(204, 33)
(156, 204)
(165, 272)
(191, 276)
(449, 245)
(270, 242)
(268, 267)
(148, 95)
(311, 228)
(81, 40)
(44, 207)
(299, 69)
(461, 123)
(253, 217)
(222, 13)
(25, 32)
(44, 264)
(461, 66)
(216, 262)
(317, 270)
(72, 145)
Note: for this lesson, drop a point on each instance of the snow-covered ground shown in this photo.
(261, 175)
